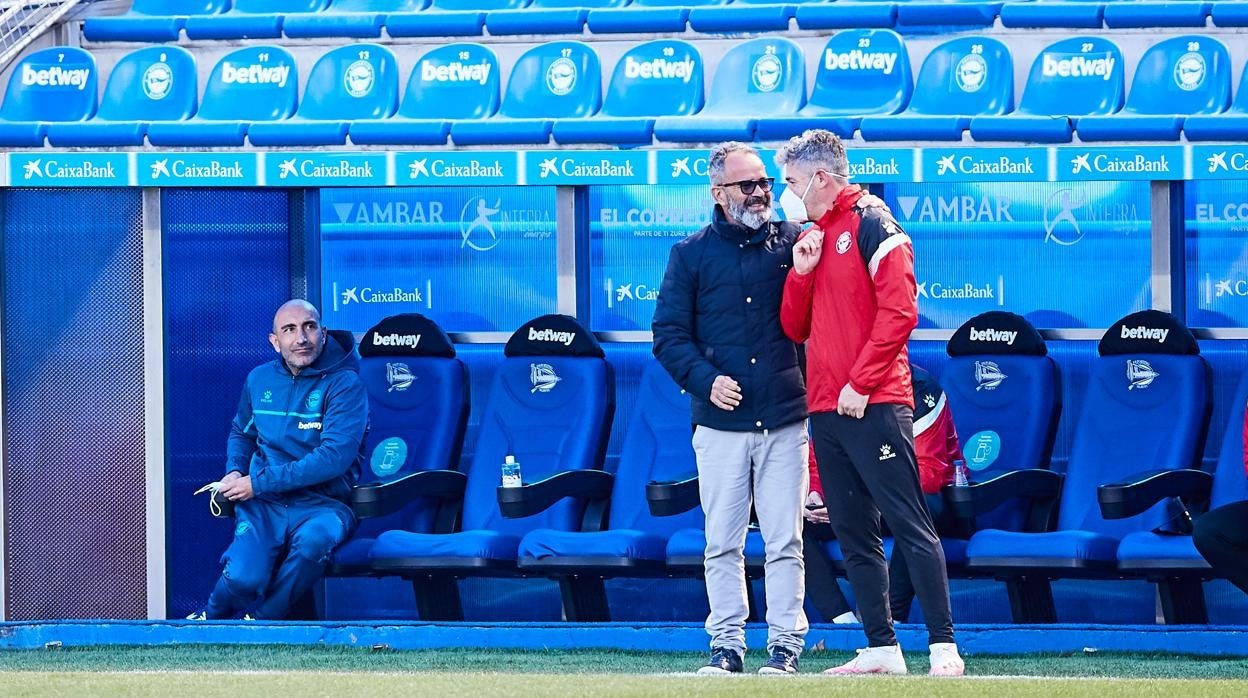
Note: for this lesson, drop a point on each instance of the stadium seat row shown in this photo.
(165, 20)
(656, 92)
(550, 403)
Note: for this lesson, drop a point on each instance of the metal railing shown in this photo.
(22, 22)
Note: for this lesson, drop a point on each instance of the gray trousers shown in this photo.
(769, 469)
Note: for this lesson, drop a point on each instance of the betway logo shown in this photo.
(1104, 162)
(569, 167)
(1078, 67)
(564, 338)
(659, 69)
(993, 336)
(396, 340)
(870, 166)
(309, 425)
(455, 72)
(860, 60)
(1145, 333)
(81, 170)
(969, 164)
(254, 74)
(56, 76)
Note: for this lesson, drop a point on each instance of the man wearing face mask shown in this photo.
(717, 332)
(294, 453)
(852, 298)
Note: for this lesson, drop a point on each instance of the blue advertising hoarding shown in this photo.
(1216, 232)
(472, 259)
(1064, 254)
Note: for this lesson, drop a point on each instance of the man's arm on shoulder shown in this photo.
(674, 343)
(343, 425)
(241, 445)
(889, 257)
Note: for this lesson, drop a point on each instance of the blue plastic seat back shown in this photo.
(1143, 411)
(1004, 393)
(1230, 483)
(969, 75)
(382, 6)
(657, 78)
(458, 5)
(863, 71)
(760, 77)
(681, 3)
(1183, 75)
(256, 83)
(456, 81)
(352, 82)
(550, 405)
(177, 8)
(418, 404)
(158, 83)
(1075, 77)
(587, 4)
(656, 447)
(278, 7)
(53, 84)
(555, 80)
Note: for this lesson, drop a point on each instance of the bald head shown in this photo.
(297, 334)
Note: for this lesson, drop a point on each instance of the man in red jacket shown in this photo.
(851, 296)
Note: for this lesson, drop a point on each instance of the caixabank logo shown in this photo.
(1114, 164)
(586, 167)
(465, 168)
(59, 169)
(883, 165)
(197, 169)
(984, 165)
(330, 169)
(1219, 162)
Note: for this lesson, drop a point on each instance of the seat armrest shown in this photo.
(534, 498)
(982, 497)
(1142, 490)
(672, 497)
(381, 498)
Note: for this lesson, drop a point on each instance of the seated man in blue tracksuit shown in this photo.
(294, 453)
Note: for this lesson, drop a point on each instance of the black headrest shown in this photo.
(406, 334)
(553, 335)
(997, 332)
(1148, 332)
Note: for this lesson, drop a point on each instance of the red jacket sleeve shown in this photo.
(890, 262)
(815, 484)
(936, 448)
(795, 305)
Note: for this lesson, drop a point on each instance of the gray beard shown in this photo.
(748, 218)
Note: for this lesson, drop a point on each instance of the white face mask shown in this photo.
(794, 206)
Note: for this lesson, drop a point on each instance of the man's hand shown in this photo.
(807, 251)
(851, 403)
(237, 489)
(725, 393)
(819, 512)
(232, 475)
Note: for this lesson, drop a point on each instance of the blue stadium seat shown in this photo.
(1146, 410)
(960, 79)
(657, 78)
(1123, 15)
(249, 19)
(557, 80)
(1073, 14)
(1178, 77)
(742, 16)
(418, 406)
(359, 81)
(847, 15)
(645, 16)
(861, 72)
(1080, 76)
(546, 17)
(1229, 13)
(349, 18)
(758, 78)
(947, 15)
(49, 85)
(1231, 125)
(1171, 560)
(456, 81)
(550, 405)
(447, 18)
(158, 83)
(656, 447)
(150, 20)
(256, 83)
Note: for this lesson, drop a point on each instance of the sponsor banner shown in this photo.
(65, 169)
(1219, 162)
(882, 165)
(985, 165)
(690, 166)
(283, 169)
(1216, 223)
(586, 167)
(219, 169)
(1150, 162)
(458, 168)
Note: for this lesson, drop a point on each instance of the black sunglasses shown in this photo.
(748, 186)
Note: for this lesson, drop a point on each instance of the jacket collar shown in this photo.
(845, 200)
(739, 234)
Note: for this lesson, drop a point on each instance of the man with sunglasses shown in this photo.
(717, 332)
(852, 298)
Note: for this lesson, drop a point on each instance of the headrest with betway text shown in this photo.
(558, 335)
(1148, 332)
(996, 332)
(406, 334)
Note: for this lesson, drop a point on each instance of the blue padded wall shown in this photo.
(226, 270)
(73, 404)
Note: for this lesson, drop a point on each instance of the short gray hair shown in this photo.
(720, 153)
(817, 149)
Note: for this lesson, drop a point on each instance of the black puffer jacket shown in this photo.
(719, 313)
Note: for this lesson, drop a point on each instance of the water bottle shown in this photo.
(959, 474)
(511, 472)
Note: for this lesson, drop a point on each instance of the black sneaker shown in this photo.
(723, 661)
(781, 661)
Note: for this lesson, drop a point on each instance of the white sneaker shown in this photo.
(873, 660)
(945, 660)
